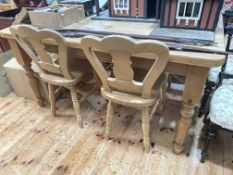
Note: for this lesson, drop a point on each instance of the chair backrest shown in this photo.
(33, 43)
(122, 49)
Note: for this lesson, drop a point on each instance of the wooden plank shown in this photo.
(227, 154)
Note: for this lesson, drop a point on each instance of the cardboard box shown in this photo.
(89, 5)
(5, 87)
(8, 15)
(71, 14)
(17, 77)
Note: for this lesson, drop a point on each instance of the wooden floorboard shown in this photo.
(34, 142)
(228, 153)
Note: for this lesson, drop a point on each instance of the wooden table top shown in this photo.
(143, 28)
(183, 57)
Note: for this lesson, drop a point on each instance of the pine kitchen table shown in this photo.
(193, 65)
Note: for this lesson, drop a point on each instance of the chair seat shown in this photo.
(60, 81)
(127, 100)
(221, 107)
(135, 100)
(77, 69)
(214, 72)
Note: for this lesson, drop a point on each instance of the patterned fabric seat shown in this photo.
(220, 110)
(221, 107)
(214, 72)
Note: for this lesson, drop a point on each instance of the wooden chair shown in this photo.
(53, 66)
(121, 87)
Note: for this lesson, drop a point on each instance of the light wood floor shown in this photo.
(34, 142)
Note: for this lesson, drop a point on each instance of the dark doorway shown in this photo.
(153, 9)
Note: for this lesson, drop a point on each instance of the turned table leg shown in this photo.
(34, 84)
(194, 85)
(24, 60)
(183, 126)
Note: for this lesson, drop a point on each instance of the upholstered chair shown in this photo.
(220, 115)
(216, 75)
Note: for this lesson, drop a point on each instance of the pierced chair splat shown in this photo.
(53, 66)
(121, 86)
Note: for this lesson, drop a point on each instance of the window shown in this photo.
(121, 5)
(189, 10)
(181, 9)
(197, 9)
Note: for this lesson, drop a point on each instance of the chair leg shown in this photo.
(206, 120)
(169, 81)
(110, 112)
(146, 129)
(162, 97)
(76, 105)
(204, 100)
(211, 134)
(52, 98)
